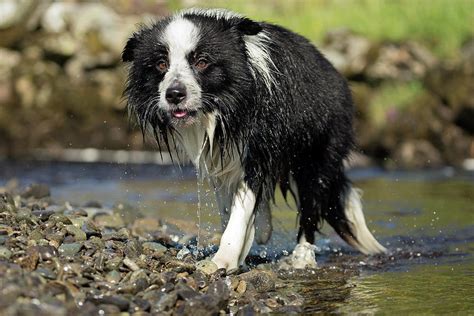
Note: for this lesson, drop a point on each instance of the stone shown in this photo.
(78, 234)
(5, 253)
(263, 281)
(36, 191)
(69, 250)
(206, 266)
(154, 247)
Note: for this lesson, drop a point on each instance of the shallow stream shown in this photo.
(425, 219)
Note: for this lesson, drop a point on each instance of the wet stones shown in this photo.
(71, 260)
(262, 281)
(206, 266)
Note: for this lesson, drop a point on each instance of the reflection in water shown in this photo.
(425, 219)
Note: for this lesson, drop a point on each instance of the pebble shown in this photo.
(154, 246)
(129, 263)
(36, 191)
(59, 218)
(23, 214)
(58, 255)
(263, 281)
(241, 287)
(78, 234)
(113, 276)
(5, 253)
(43, 214)
(115, 300)
(206, 266)
(109, 220)
(182, 253)
(69, 250)
(76, 212)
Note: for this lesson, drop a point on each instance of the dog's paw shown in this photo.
(228, 264)
(303, 257)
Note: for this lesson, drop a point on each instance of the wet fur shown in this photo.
(281, 116)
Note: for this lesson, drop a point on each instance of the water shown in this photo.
(425, 219)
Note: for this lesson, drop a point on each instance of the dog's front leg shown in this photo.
(237, 235)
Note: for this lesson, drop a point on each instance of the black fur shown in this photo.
(301, 129)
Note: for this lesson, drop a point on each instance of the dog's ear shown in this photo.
(247, 26)
(128, 51)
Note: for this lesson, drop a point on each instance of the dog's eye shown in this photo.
(162, 66)
(201, 64)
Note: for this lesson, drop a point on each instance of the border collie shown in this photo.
(252, 105)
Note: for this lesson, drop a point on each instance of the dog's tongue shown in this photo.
(180, 113)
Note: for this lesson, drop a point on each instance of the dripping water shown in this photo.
(200, 187)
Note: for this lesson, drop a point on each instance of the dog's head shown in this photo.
(188, 65)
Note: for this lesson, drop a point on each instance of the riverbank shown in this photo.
(74, 244)
(61, 77)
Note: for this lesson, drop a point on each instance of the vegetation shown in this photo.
(442, 25)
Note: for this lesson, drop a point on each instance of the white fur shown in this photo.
(365, 243)
(239, 232)
(212, 13)
(261, 63)
(181, 36)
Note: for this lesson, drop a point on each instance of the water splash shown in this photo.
(200, 186)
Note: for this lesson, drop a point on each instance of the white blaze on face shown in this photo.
(181, 36)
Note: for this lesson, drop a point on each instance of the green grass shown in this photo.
(442, 25)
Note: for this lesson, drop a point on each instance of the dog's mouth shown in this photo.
(183, 116)
(180, 113)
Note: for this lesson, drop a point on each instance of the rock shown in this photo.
(130, 264)
(8, 61)
(115, 300)
(113, 277)
(77, 212)
(185, 292)
(90, 229)
(5, 253)
(23, 214)
(17, 18)
(220, 291)
(47, 273)
(263, 281)
(144, 227)
(133, 248)
(7, 204)
(78, 234)
(70, 250)
(200, 278)
(206, 266)
(59, 218)
(154, 247)
(164, 303)
(241, 287)
(401, 61)
(36, 191)
(417, 154)
(202, 305)
(44, 252)
(43, 214)
(109, 220)
(183, 253)
(348, 51)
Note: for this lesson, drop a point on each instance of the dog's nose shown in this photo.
(176, 93)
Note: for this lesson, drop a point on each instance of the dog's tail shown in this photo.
(352, 227)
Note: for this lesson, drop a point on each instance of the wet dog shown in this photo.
(253, 106)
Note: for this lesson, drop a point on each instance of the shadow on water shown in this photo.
(425, 219)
